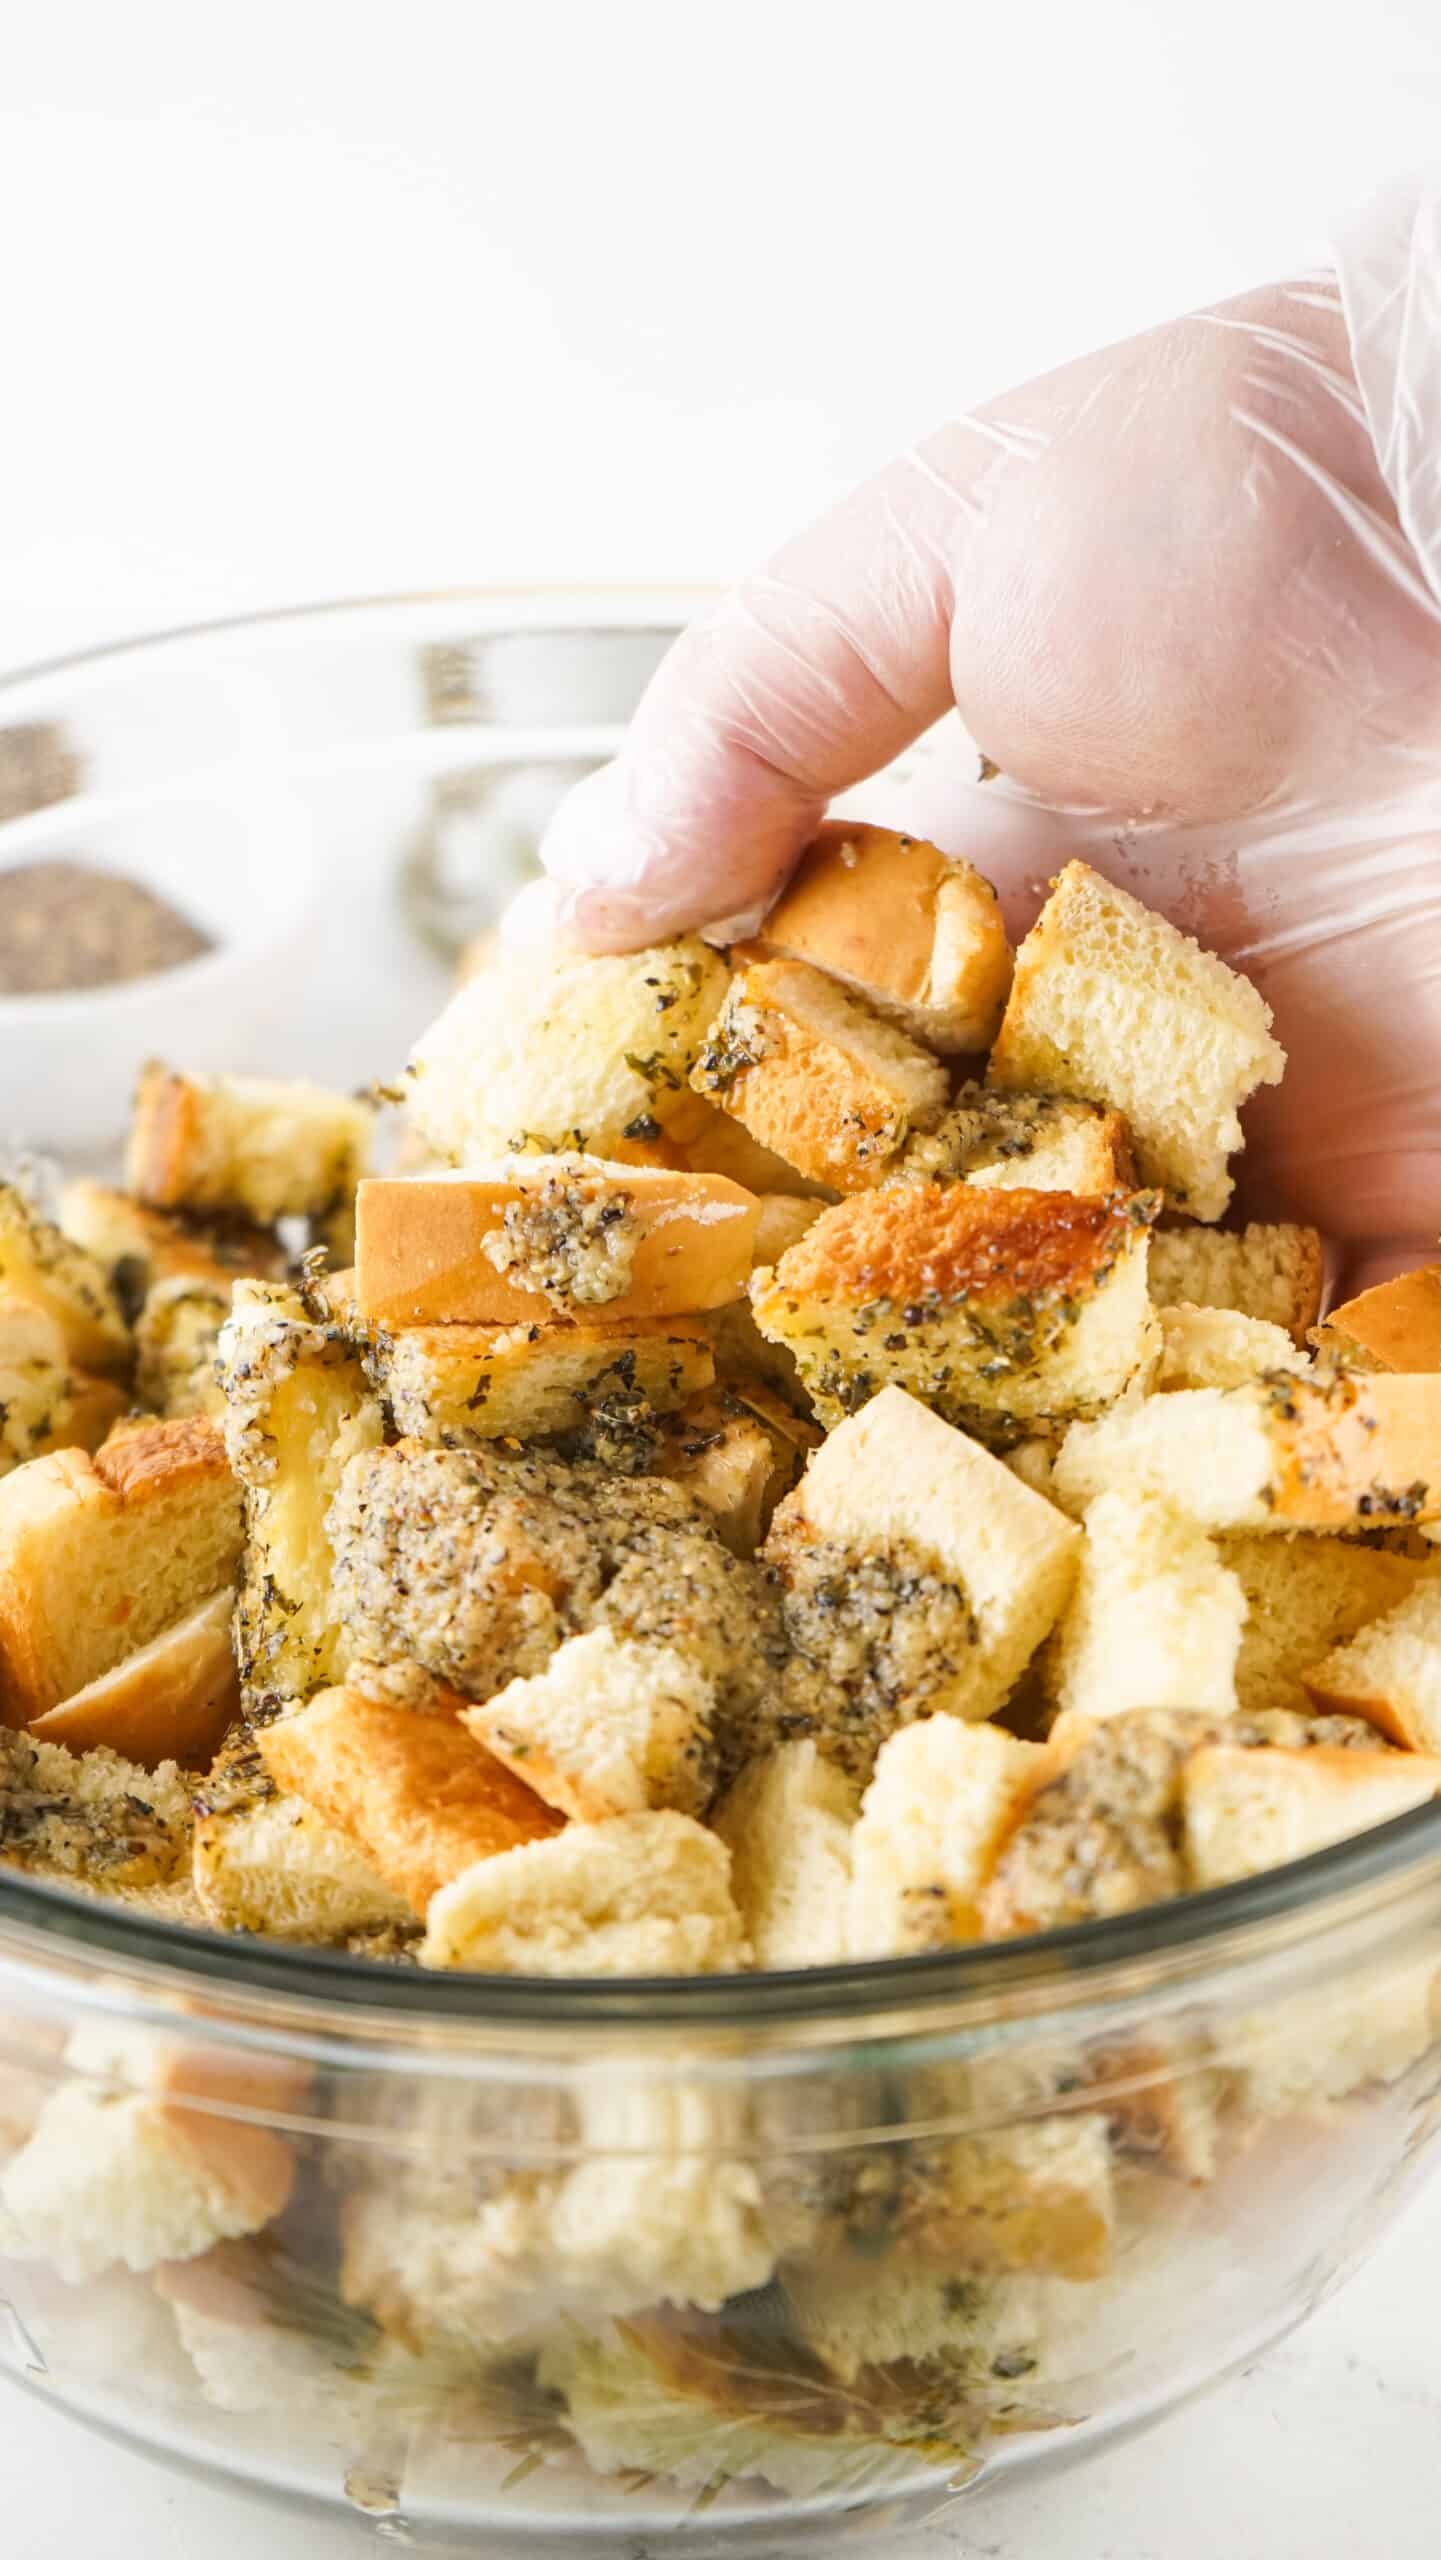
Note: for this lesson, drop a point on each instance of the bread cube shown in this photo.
(609, 1727)
(45, 1403)
(244, 1146)
(144, 2155)
(940, 1804)
(1155, 1619)
(97, 1555)
(1112, 1003)
(917, 1574)
(90, 1817)
(565, 1049)
(298, 1408)
(1304, 1597)
(1246, 1811)
(912, 931)
(1325, 1452)
(172, 1699)
(816, 1076)
(712, 1142)
(1272, 1273)
(1022, 1142)
(1396, 1326)
(1035, 2199)
(659, 2211)
(1006, 1311)
(140, 1246)
(1214, 1347)
(267, 1863)
(646, 1893)
(455, 1385)
(176, 1343)
(108, 2181)
(420, 1796)
(788, 1823)
(513, 1243)
(40, 1265)
(737, 1453)
(1098, 1834)
(1390, 1672)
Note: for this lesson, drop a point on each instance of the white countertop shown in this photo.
(1328, 2448)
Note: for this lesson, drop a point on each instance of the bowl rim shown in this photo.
(1092, 1953)
(1088, 1961)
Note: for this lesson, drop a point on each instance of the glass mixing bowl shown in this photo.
(734, 2264)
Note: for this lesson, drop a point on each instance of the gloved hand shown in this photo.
(1185, 595)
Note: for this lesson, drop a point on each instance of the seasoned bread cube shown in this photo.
(474, 1564)
(1396, 1326)
(1390, 1673)
(517, 1242)
(646, 1893)
(1034, 2198)
(565, 1049)
(913, 931)
(609, 1727)
(1114, 1004)
(297, 1409)
(1273, 1273)
(1328, 1452)
(1305, 1596)
(1155, 1619)
(172, 1699)
(788, 1823)
(455, 1385)
(1214, 1347)
(1004, 1310)
(1098, 1834)
(176, 1341)
(1022, 1142)
(737, 1454)
(244, 1146)
(45, 1404)
(817, 1077)
(97, 1555)
(1246, 1811)
(140, 1246)
(90, 1817)
(41, 1265)
(267, 1863)
(917, 1576)
(943, 1797)
(420, 1797)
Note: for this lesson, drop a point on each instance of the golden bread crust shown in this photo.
(419, 1794)
(422, 1258)
(958, 1243)
(915, 931)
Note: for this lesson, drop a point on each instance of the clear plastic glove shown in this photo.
(1186, 595)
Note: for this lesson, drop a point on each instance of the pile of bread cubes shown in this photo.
(791, 1469)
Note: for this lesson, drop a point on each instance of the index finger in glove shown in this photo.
(811, 675)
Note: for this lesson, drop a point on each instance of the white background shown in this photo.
(304, 299)
(310, 297)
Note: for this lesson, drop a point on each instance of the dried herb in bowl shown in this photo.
(65, 926)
